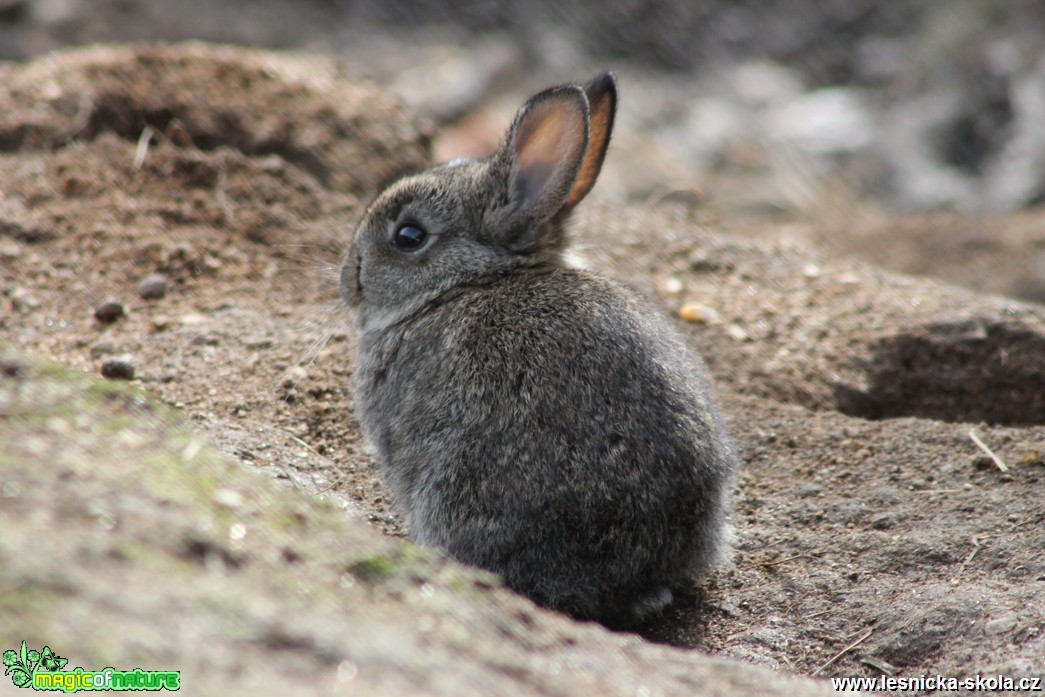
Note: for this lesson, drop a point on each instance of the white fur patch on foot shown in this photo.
(651, 604)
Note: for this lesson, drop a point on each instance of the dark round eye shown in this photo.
(409, 237)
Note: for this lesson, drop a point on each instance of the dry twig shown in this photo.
(859, 640)
(142, 149)
(983, 446)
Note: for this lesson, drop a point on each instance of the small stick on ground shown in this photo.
(818, 614)
(859, 640)
(983, 446)
(785, 559)
(972, 555)
(142, 149)
(304, 444)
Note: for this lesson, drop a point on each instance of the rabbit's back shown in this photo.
(549, 426)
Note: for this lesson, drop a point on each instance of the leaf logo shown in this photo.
(20, 664)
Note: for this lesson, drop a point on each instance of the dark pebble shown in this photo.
(153, 287)
(109, 311)
(118, 369)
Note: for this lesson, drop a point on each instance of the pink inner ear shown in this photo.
(549, 144)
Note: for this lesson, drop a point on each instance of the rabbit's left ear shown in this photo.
(546, 148)
(602, 107)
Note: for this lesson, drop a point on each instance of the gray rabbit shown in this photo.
(530, 418)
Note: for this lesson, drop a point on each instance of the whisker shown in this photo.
(323, 327)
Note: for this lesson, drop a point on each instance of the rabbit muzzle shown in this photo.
(350, 286)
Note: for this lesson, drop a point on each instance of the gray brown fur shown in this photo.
(540, 421)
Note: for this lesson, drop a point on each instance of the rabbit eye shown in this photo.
(409, 237)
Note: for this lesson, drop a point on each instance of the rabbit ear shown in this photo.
(546, 147)
(602, 107)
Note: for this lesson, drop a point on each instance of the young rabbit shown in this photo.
(537, 420)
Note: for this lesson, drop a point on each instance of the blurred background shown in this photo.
(906, 132)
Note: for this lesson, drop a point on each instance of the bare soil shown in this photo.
(874, 534)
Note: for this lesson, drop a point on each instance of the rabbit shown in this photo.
(534, 419)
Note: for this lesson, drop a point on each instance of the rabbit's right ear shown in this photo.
(545, 150)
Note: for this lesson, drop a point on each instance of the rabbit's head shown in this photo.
(459, 223)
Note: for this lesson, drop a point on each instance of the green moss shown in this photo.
(29, 603)
(374, 569)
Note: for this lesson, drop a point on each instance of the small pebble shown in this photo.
(21, 300)
(735, 331)
(1001, 625)
(672, 285)
(700, 261)
(884, 521)
(695, 312)
(153, 287)
(1030, 458)
(11, 250)
(983, 462)
(293, 376)
(103, 348)
(192, 318)
(261, 342)
(109, 311)
(229, 498)
(118, 369)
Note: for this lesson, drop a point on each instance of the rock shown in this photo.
(120, 368)
(698, 313)
(1001, 625)
(10, 250)
(109, 311)
(737, 332)
(18, 228)
(152, 287)
(672, 285)
(22, 300)
(258, 342)
(103, 348)
(12, 368)
(884, 521)
(294, 376)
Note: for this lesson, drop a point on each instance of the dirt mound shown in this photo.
(346, 135)
(868, 543)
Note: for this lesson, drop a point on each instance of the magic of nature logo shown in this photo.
(45, 670)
